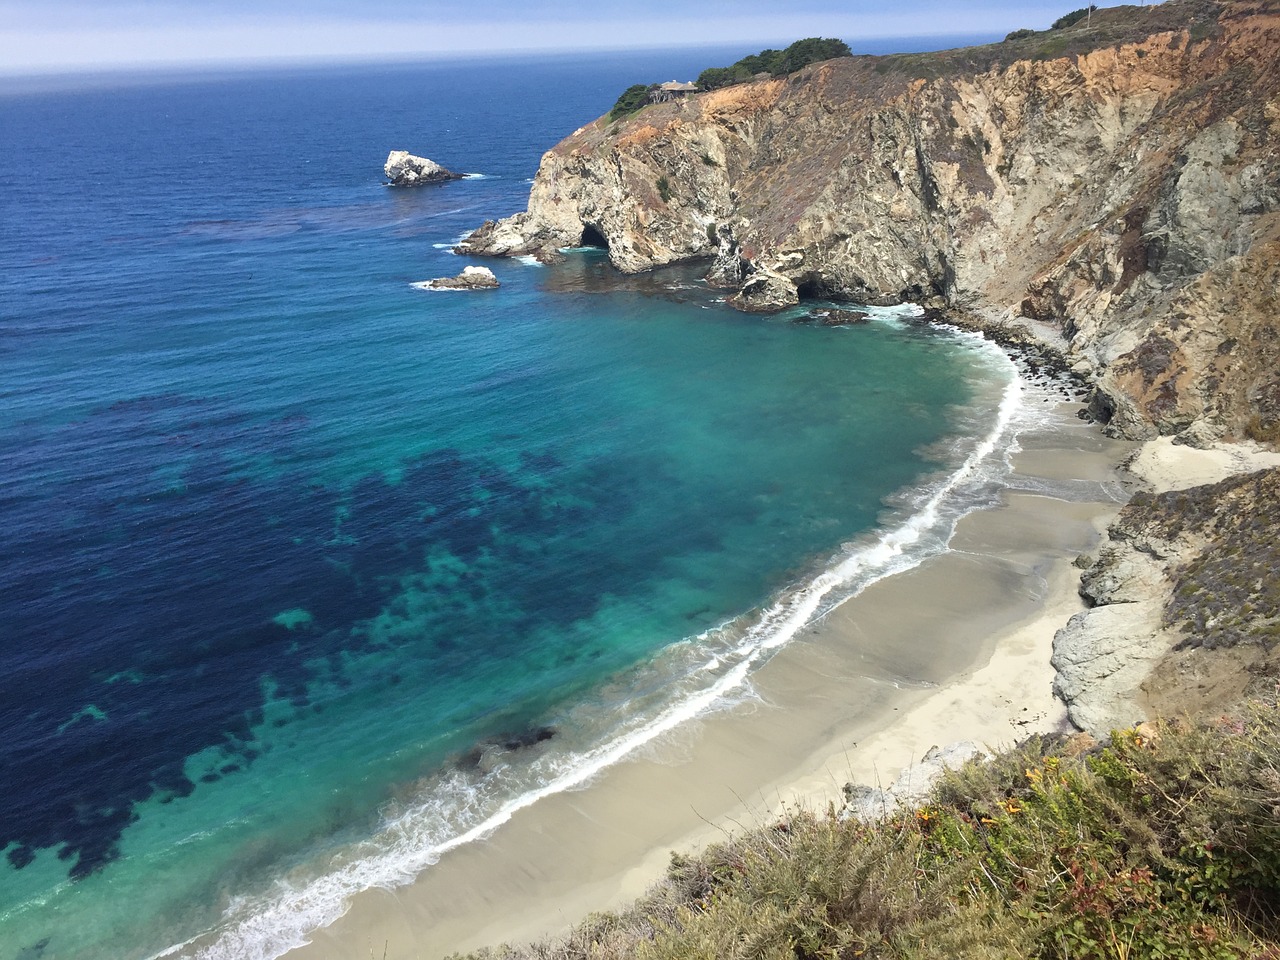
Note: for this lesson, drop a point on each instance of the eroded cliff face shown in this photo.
(1184, 615)
(1127, 194)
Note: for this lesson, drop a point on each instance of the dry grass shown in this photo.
(1165, 844)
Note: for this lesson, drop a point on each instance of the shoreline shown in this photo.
(857, 696)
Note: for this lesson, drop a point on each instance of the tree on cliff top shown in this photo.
(632, 99)
(1074, 17)
(776, 63)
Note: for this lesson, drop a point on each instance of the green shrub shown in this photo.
(776, 63)
(632, 99)
(1072, 18)
(1020, 35)
(664, 188)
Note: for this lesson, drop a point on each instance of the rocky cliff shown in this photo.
(1185, 606)
(1114, 186)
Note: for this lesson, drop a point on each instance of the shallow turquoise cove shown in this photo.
(296, 555)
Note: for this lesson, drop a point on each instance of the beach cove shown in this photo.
(299, 555)
(345, 615)
(955, 649)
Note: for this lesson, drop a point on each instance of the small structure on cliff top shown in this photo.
(672, 90)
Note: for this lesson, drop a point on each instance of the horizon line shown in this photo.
(217, 63)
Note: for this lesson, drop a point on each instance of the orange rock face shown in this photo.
(1120, 183)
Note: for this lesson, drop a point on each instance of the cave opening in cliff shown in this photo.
(811, 287)
(592, 237)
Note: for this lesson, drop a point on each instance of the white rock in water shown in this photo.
(471, 278)
(403, 169)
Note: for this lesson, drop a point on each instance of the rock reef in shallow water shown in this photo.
(471, 278)
(1116, 185)
(403, 169)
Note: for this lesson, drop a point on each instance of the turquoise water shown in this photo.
(307, 574)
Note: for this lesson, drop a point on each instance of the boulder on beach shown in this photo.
(862, 802)
(471, 278)
(403, 169)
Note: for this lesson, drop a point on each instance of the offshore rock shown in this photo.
(403, 169)
(765, 292)
(512, 237)
(1114, 190)
(471, 278)
(831, 317)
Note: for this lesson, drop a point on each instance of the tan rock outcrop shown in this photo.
(1184, 601)
(1120, 183)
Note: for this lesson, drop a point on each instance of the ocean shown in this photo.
(308, 575)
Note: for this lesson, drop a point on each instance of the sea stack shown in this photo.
(403, 169)
(471, 278)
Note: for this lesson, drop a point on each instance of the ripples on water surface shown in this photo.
(299, 565)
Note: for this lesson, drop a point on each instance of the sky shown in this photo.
(44, 36)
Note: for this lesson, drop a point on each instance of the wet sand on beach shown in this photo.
(955, 649)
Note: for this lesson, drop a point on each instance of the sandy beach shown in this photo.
(956, 649)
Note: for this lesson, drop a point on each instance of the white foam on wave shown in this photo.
(530, 260)
(452, 243)
(476, 176)
(457, 811)
(899, 311)
(426, 285)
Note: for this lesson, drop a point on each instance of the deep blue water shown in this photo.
(294, 556)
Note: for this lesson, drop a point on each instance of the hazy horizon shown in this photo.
(114, 35)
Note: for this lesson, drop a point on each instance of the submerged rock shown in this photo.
(489, 752)
(471, 278)
(403, 169)
(832, 317)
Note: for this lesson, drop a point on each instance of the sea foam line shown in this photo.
(406, 844)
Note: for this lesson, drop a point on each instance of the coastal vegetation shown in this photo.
(1106, 27)
(1162, 843)
(1072, 18)
(774, 63)
(1226, 535)
(632, 99)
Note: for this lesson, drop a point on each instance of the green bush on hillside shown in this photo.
(1072, 18)
(776, 63)
(632, 99)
